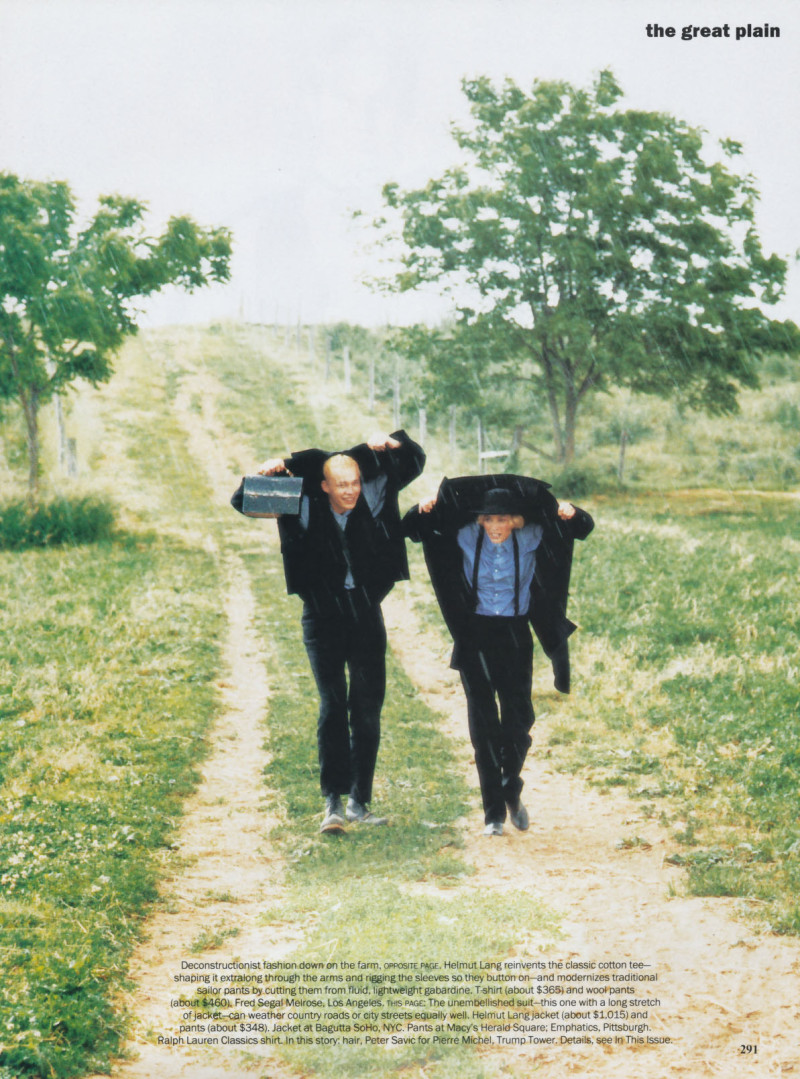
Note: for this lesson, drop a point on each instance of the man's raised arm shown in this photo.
(396, 456)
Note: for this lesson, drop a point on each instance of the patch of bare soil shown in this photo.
(224, 873)
(721, 984)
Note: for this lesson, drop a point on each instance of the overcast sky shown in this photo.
(278, 118)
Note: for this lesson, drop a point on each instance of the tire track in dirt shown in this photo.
(224, 872)
(721, 983)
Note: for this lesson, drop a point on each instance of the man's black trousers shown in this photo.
(346, 646)
(496, 664)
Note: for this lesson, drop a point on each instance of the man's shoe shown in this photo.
(519, 816)
(494, 827)
(333, 821)
(356, 811)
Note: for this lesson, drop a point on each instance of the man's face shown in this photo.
(497, 526)
(342, 484)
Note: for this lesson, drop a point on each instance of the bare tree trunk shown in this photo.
(62, 433)
(552, 401)
(570, 415)
(30, 409)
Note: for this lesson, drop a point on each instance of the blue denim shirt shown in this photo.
(496, 568)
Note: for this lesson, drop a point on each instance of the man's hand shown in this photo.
(427, 504)
(381, 441)
(566, 511)
(273, 466)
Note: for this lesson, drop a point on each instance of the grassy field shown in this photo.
(685, 689)
(108, 657)
(688, 600)
(689, 658)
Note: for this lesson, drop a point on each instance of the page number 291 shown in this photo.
(748, 1050)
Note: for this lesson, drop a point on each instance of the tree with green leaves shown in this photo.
(596, 247)
(68, 295)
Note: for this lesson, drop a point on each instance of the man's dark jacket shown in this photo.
(456, 505)
(316, 559)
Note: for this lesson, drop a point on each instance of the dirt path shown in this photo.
(226, 872)
(720, 984)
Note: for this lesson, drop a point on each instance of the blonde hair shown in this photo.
(340, 464)
(516, 520)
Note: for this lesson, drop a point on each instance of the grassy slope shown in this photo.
(690, 654)
(106, 671)
(360, 905)
(108, 667)
(685, 692)
(686, 666)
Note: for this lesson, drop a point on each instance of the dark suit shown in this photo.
(342, 575)
(494, 654)
(546, 608)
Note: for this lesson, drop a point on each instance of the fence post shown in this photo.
(516, 442)
(623, 442)
(371, 390)
(453, 431)
(423, 426)
(346, 356)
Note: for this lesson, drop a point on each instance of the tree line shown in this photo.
(585, 247)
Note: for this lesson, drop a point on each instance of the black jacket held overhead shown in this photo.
(456, 505)
(316, 558)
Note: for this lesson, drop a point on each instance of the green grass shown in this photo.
(55, 523)
(354, 896)
(684, 694)
(108, 657)
(687, 661)
(106, 697)
(687, 688)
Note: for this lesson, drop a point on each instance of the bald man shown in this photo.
(342, 555)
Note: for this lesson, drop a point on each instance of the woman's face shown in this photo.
(498, 526)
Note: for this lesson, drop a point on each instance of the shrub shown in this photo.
(60, 522)
(786, 413)
(578, 482)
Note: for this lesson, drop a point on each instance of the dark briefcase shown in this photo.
(271, 496)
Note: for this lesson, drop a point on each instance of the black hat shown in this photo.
(497, 500)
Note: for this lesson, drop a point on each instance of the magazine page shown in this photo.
(398, 535)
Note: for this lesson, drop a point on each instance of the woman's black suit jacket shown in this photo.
(456, 505)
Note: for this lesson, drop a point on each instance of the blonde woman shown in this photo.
(499, 550)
